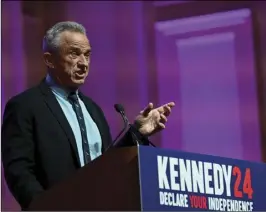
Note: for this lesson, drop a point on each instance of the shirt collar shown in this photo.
(56, 88)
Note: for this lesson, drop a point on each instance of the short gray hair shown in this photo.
(51, 38)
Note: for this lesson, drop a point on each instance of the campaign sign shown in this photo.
(181, 181)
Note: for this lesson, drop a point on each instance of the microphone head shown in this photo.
(119, 108)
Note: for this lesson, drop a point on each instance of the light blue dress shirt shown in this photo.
(93, 134)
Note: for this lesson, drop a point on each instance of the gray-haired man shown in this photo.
(51, 130)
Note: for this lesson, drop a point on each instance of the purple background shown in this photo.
(205, 61)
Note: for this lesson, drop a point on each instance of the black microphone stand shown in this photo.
(132, 129)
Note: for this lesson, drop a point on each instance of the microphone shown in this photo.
(120, 109)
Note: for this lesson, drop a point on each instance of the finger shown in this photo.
(163, 118)
(171, 104)
(167, 110)
(146, 111)
(162, 109)
(161, 125)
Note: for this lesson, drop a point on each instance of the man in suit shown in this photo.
(52, 129)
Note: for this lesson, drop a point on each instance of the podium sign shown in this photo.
(180, 181)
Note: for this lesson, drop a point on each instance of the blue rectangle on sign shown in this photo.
(181, 181)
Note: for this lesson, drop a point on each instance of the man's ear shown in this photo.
(49, 60)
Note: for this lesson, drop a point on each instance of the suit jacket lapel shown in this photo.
(55, 108)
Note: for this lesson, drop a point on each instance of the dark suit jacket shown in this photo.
(38, 145)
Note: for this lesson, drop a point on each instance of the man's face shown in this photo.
(71, 62)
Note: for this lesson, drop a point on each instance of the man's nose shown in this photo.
(83, 61)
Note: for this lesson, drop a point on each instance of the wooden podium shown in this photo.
(143, 178)
(110, 182)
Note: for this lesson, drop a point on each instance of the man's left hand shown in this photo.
(152, 120)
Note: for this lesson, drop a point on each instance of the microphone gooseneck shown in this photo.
(120, 109)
